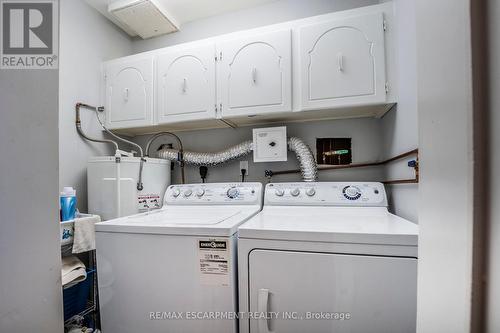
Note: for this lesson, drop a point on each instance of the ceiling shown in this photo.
(184, 11)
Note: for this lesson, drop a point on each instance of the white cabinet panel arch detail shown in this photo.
(342, 62)
(129, 86)
(255, 74)
(263, 82)
(186, 84)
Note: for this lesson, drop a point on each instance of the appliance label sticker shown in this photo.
(214, 264)
(147, 202)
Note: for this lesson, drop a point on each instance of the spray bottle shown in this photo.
(68, 204)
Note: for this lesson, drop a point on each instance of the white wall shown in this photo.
(394, 134)
(270, 13)
(30, 264)
(365, 134)
(400, 126)
(446, 187)
(493, 278)
(87, 39)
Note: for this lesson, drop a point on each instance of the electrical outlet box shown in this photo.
(244, 165)
(270, 144)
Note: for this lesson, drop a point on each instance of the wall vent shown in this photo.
(144, 18)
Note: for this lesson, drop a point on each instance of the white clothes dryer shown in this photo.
(327, 257)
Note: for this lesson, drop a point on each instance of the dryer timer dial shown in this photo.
(233, 193)
(351, 192)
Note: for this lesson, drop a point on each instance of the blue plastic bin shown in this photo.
(75, 298)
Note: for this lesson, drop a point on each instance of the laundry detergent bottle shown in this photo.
(68, 204)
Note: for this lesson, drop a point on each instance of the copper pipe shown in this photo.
(270, 173)
(406, 181)
(368, 164)
(400, 156)
(401, 181)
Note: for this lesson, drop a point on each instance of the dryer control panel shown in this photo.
(214, 193)
(356, 194)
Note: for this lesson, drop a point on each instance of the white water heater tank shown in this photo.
(105, 200)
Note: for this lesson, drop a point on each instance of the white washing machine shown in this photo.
(327, 257)
(174, 269)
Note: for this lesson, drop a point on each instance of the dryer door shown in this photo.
(324, 292)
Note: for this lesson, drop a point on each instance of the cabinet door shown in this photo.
(255, 74)
(186, 84)
(129, 92)
(377, 293)
(342, 63)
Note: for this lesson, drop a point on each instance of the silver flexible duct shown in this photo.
(304, 155)
(208, 159)
(308, 166)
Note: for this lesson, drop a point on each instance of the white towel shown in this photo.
(84, 234)
(72, 271)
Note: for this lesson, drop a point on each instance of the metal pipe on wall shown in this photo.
(180, 157)
(78, 124)
(98, 109)
(140, 186)
(269, 173)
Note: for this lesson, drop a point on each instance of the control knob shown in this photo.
(200, 192)
(233, 193)
(279, 192)
(176, 192)
(311, 192)
(295, 192)
(188, 192)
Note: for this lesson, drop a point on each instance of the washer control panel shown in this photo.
(216, 193)
(326, 194)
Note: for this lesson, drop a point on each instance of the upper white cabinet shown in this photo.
(336, 65)
(342, 63)
(129, 92)
(254, 74)
(186, 84)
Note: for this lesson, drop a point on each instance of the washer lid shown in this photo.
(183, 220)
(366, 225)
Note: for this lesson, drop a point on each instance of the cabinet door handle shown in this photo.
(340, 62)
(262, 307)
(254, 75)
(125, 94)
(184, 85)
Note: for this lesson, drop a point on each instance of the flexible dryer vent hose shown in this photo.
(304, 155)
(308, 166)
